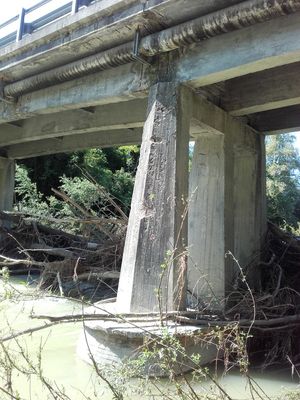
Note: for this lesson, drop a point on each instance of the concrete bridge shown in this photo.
(222, 73)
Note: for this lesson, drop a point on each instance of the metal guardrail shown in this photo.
(23, 28)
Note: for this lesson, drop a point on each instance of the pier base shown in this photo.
(113, 343)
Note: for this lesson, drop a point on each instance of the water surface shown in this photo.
(62, 369)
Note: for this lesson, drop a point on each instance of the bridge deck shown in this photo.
(250, 73)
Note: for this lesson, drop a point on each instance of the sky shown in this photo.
(12, 8)
(297, 134)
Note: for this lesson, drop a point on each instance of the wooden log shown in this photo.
(99, 275)
(43, 248)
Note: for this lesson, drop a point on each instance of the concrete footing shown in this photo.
(112, 343)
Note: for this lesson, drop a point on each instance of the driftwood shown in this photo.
(104, 313)
(275, 303)
(50, 250)
(20, 220)
(181, 317)
(147, 317)
(64, 259)
(99, 275)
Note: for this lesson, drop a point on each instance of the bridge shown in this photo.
(222, 73)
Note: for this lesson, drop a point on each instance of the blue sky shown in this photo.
(12, 8)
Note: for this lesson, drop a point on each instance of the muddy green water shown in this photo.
(64, 371)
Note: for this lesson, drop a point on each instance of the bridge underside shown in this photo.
(225, 94)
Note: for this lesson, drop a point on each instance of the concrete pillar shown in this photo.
(206, 267)
(227, 210)
(7, 183)
(153, 273)
(250, 220)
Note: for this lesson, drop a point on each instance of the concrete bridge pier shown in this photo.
(7, 183)
(226, 210)
(166, 251)
(154, 267)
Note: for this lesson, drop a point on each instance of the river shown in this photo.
(61, 369)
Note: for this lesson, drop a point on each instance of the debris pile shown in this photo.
(88, 265)
(74, 264)
(273, 310)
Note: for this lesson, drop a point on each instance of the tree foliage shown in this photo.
(283, 181)
(112, 168)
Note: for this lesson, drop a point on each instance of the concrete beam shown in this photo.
(129, 114)
(123, 137)
(263, 46)
(209, 118)
(256, 48)
(104, 24)
(206, 116)
(115, 85)
(278, 121)
(266, 90)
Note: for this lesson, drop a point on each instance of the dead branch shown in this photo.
(99, 275)
(50, 250)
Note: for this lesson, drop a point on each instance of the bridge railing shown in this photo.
(31, 19)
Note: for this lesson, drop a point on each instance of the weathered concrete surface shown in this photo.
(124, 115)
(154, 259)
(103, 125)
(7, 183)
(123, 83)
(265, 90)
(65, 144)
(249, 206)
(249, 50)
(206, 272)
(227, 207)
(111, 343)
(260, 47)
(274, 122)
(56, 111)
(102, 25)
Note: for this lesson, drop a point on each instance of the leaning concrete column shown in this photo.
(7, 183)
(153, 272)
